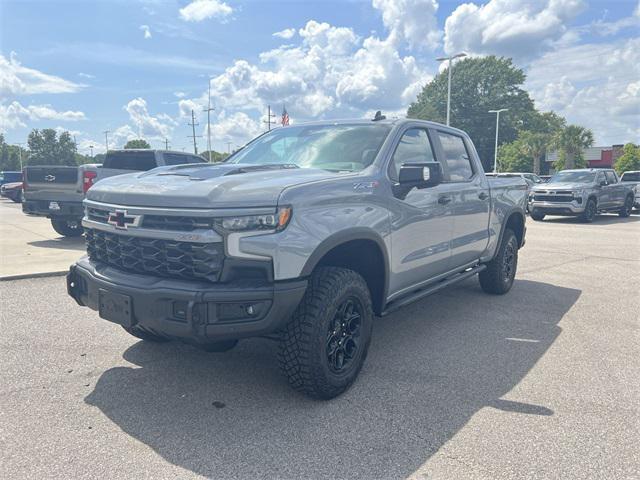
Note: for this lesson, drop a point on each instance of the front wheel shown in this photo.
(67, 227)
(625, 210)
(500, 273)
(325, 344)
(538, 217)
(589, 211)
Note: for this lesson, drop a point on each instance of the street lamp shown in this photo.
(495, 153)
(442, 59)
(91, 147)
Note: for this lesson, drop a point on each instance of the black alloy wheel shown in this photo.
(343, 337)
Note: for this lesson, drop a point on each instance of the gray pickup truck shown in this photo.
(582, 193)
(56, 192)
(301, 236)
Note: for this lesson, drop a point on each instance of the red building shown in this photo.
(596, 157)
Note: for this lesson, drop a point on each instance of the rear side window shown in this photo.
(611, 177)
(631, 177)
(179, 159)
(414, 147)
(134, 160)
(458, 164)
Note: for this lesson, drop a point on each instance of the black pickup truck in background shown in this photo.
(57, 192)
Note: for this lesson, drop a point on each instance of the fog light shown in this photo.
(250, 310)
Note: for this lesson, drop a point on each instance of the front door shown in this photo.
(421, 229)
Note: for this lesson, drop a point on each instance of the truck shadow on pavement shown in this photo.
(65, 243)
(431, 367)
(599, 220)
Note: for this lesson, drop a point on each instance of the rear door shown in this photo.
(466, 197)
(49, 182)
(421, 230)
(617, 190)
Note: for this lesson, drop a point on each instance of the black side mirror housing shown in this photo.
(420, 175)
(603, 183)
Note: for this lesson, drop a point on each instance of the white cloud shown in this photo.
(199, 10)
(594, 85)
(287, 33)
(14, 115)
(16, 79)
(84, 147)
(86, 75)
(237, 128)
(411, 20)
(514, 28)
(179, 94)
(147, 125)
(146, 30)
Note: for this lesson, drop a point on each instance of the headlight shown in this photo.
(272, 221)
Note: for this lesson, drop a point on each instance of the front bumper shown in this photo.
(195, 312)
(556, 208)
(40, 208)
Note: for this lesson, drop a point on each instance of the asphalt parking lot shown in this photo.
(540, 383)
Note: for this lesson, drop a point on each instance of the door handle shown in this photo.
(483, 195)
(444, 199)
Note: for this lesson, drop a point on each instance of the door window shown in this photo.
(611, 178)
(414, 147)
(457, 160)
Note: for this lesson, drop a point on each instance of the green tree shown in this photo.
(47, 148)
(10, 156)
(137, 143)
(570, 142)
(629, 160)
(477, 86)
(215, 156)
(514, 157)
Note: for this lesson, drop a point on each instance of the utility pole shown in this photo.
(20, 153)
(229, 147)
(449, 58)
(106, 138)
(495, 153)
(91, 148)
(193, 125)
(166, 144)
(269, 117)
(209, 109)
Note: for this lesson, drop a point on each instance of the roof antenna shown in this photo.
(379, 116)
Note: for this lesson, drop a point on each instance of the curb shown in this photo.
(24, 276)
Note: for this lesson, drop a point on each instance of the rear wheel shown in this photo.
(68, 227)
(589, 211)
(145, 335)
(537, 216)
(625, 210)
(325, 344)
(500, 273)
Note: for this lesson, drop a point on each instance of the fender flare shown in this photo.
(503, 227)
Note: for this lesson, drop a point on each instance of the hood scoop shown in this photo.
(200, 172)
(261, 168)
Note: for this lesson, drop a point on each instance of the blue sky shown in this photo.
(139, 67)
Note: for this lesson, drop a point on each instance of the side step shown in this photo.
(429, 289)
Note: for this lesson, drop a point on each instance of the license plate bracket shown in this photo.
(115, 307)
(54, 206)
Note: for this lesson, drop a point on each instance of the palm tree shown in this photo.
(535, 146)
(570, 141)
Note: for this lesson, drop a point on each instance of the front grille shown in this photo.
(165, 258)
(552, 198)
(173, 223)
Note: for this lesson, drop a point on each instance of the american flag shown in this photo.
(285, 116)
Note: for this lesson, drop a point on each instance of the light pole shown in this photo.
(20, 153)
(442, 59)
(495, 153)
(91, 147)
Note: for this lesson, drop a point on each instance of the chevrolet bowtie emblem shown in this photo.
(121, 220)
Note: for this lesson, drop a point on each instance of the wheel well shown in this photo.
(594, 198)
(516, 224)
(366, 258)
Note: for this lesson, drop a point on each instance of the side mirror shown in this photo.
(603, 183)
(420, 175)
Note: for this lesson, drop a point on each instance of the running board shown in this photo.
(429, 289)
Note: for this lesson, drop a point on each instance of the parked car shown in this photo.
(56, 192)
(531, 178)
(633, 178)
(582, 193)
(303, 235)
(12, 191)
(10, 177)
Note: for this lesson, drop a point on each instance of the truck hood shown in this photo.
(561, 186)
(204, 186)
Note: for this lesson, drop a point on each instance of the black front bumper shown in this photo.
(197, 312)
(40, 208)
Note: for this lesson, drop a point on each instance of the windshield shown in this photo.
(573, 177)
(330, 147)
(630, 177)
